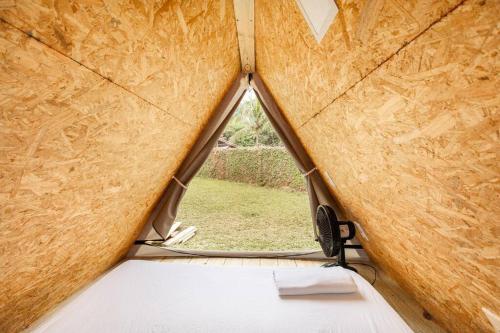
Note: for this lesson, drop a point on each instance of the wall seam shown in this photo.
(392, 55)
(93, 71)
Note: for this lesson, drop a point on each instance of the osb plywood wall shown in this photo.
(363, 35)
(98, 109)
(159, 50)
(398, 105)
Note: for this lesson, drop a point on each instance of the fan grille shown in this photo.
(328, 230)
(325, 232)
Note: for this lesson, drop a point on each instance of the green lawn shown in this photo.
(236, 216)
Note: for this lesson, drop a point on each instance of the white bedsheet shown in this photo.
(148, 296)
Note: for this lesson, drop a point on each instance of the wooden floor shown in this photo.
(403, 303)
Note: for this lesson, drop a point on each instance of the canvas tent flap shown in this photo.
(316, 188)
(165, 212)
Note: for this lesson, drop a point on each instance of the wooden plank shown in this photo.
(216, 261)
(233, 262)
(182, 260)
(250, 262)
(244, 12)
(308, 263)
(173, 229)
(188, 237)
(199, 261)
(400, 300)
(175, 260)
(268, 262)
(286, 262)
(180, 236)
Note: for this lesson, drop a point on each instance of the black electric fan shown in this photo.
(332, 235)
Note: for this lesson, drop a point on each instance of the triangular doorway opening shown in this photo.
(226, 198)
(249, 195)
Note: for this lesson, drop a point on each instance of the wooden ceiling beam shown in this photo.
(244, 12)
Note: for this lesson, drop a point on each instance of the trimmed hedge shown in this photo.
(263, 166)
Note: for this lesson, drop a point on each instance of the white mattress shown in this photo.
(148, 296)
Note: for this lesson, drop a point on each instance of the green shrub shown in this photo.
(263, 166)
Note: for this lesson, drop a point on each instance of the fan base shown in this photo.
(346, 266)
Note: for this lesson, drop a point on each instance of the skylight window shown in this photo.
(319, 15)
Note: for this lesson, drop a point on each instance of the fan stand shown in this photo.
(341, 260)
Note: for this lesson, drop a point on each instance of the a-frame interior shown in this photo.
(397, 107)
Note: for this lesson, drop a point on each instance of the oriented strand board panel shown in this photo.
(171, 53)
(413, 152)
(81, 163)
(363, 35)
(82, 158)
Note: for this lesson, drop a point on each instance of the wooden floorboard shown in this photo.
(401, 301)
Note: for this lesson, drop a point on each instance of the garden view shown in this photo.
(249, 195)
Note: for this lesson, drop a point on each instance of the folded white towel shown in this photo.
(314, 280)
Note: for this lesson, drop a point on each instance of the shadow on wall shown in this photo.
(262, 166)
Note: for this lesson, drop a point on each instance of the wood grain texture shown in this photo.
(171, 53)
(244, 14)
(312, 75)
(84, 158)
(413, 151)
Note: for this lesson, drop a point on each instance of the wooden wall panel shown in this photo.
(84, 158)
(163, 51)
(413, 153)
(363, 35)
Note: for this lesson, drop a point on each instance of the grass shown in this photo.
(237, 216)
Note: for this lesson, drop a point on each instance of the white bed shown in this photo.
(148, 296)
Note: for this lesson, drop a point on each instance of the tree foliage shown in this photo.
(250, 126)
